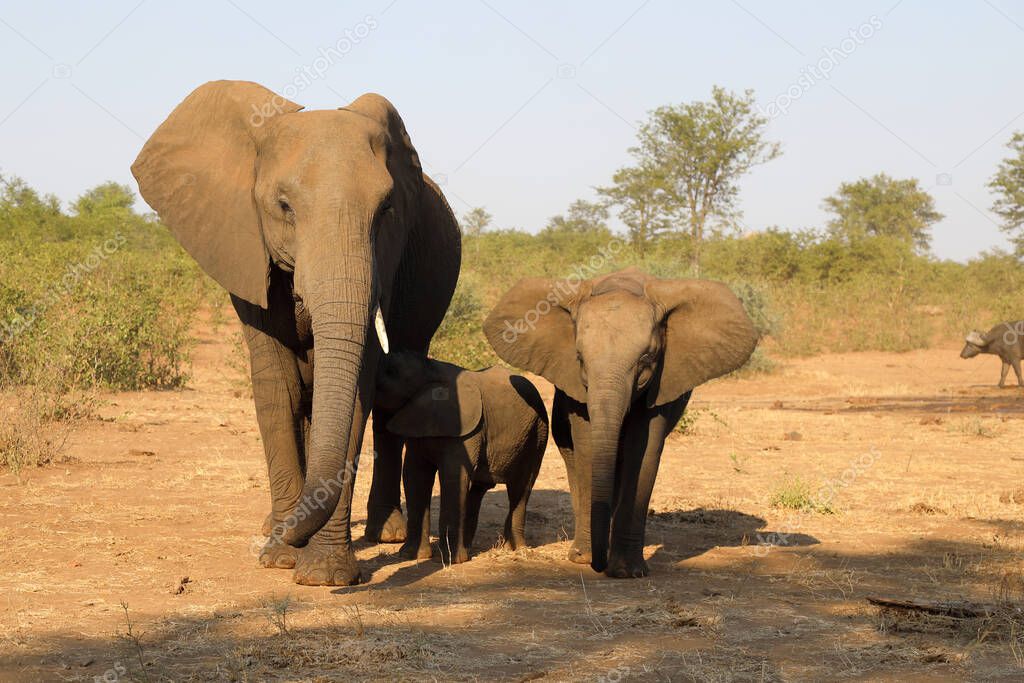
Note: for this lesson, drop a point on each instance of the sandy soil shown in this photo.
(914, 459)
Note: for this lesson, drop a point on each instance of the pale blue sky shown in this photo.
(525, 106)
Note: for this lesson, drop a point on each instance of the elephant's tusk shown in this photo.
(382, 333)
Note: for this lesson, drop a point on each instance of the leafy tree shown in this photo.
(881, 206)
(640, 196)
(1008, 184)
(26, 214)
(700, 150)
(476, 220)
(581, 217)
(108, 197)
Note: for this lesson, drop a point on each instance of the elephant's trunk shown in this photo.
(341, 304)
(608, 401)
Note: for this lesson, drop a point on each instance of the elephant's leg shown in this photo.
(418, 477)
(474, 499)
(578, 470)
(267, 528)
(564, 414)
(515, 521)
(644, 434)
(454, 492)
(384, 521)
(269, 523)
(328, 559)
(519, 490)
(581, 483)
(1016, 370)
(277, 390)
(1002, 374)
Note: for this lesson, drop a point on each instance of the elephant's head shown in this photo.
(248, 183)
(614, 340)
(975, 343)
(428, 398)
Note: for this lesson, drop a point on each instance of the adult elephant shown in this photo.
(624, 352)
(322, 226)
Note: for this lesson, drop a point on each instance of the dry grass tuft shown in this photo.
(795, 493)
(378, 652)
(36, 425)
(920, 508)
(974, 427)
(668, 613)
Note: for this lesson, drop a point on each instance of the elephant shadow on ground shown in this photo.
(679, 534)
(683, 534)
(549, 519)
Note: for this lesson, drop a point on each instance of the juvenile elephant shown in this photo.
(478, 429)
(624, 352)
(323, 227)
(1005, 340)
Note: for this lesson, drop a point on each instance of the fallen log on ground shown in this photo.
(958, 609)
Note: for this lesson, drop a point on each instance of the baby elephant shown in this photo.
(479, 429)
(1005, 340)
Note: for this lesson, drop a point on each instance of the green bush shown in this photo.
(122, 324)
(102, 297)
(795, 493)
(460, 339)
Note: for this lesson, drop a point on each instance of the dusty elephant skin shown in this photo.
(478, 429)
(624, 352)
(320, 224)
(1005, 340)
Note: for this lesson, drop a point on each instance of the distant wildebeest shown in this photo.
(1005, 340)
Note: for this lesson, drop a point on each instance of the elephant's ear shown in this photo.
(198, 170)
(532, 328)
(707, 334)
(444, 408)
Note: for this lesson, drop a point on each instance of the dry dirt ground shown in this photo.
(913, 462)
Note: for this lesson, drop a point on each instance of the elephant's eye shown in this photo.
(583, 367)
(285, 206)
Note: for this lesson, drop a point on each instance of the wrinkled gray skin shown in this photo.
(624, 351)
(313, 221)
(1005, 340)
(477, 429)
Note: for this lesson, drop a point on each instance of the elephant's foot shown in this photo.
(414, 550)
(278, 555)
(511, 542)
(456, 556)
(579, 553)
(630, 565)
(320, 565)
(385, 526)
